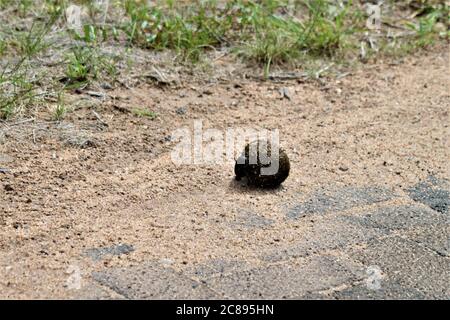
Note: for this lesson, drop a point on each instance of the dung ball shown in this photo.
(263, 164)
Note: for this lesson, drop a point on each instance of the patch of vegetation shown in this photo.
(189, 32)
(18, 82)
(16, 91)
(427, 27)
(60, 109)
(85, 64)
(279, 39)
(140, 112)
(430, 25)
(266, 33)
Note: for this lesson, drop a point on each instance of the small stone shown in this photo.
(166, 261)
(343, 168)
(117, 250)
(106, 86)
(439, 27)
(285, 93)
(8, 187)
(17, 225)
(181, 110)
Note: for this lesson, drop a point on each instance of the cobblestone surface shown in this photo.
(387, 252)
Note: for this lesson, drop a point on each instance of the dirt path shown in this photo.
(368, 189)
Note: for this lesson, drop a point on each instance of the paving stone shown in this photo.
(401, 217)
(408, 264)
(360, 291)
(421, 223)
(94, 291)
(328, 233)
(324, 201)
(249, 220)
(387, 291)
(315, 296)
(436, 238)
(433, 192)
(152, 281)
(98, 253)
(216, 267)
(284, 281)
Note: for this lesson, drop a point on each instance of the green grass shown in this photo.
(16, 91)
(140, 112)
(291, 34)
(189, 32)
(18, 82)
(425, 27)
(86, 64)
(60, 109)
(79, 66)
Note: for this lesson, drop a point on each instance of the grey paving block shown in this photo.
(98, 253)
(433, 192)
(94, 291)
(436, 238)
(152, 281)
(284, 281)
(401, 217)
(387, 291)
(324, 201)
(315, 296)
(214, 268)
(250, 220)
(408, 264)
(419, 223)
(360, 291)
(328, 233)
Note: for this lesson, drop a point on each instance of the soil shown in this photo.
(101, 179)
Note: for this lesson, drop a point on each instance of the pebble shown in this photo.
(285, 93)
(181, 110)
(166, 261)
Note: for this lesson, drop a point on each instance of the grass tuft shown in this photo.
(144, 113)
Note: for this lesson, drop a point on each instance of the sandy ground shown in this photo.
(384, 125)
